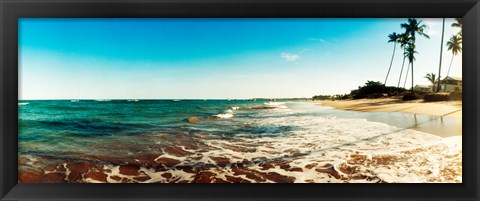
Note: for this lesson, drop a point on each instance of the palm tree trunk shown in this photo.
(441, 49)
(406, 76)
(451, 61)
(412, 76)
(403, 63)
(391, 61)
(433, 83)
(448, 72)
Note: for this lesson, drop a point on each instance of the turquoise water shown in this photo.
(60, 126)
(115, 117)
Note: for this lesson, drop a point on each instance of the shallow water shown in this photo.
(230, 141)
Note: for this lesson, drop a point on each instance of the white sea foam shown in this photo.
(21, 104)
(276, 104)
(372, 149)
(226, 114)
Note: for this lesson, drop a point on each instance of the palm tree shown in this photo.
(403, 40)
(458, 23)
(455, 46)
(431, 77)
(413, 27)
(441, 50)
(410, 54)
(393, 37)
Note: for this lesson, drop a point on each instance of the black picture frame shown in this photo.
(11, 10)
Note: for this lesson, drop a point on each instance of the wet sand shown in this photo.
(440, 118)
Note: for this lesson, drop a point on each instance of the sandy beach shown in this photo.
(440, 118)
(447, 108)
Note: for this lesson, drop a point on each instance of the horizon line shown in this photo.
(104, 99)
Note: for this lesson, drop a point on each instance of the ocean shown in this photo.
(232, 141)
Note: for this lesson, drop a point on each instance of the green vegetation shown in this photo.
(410, 96)
(436, 97)
(407, 40)
(332, 97)
(373, 89)
(410, 54)
(412, 28)
(455, 46)
(322, 97)
(431, 77)
(458, 24)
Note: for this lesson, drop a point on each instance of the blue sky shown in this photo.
(214, 58)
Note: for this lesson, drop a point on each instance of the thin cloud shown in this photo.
(319, 40)
(289, 57)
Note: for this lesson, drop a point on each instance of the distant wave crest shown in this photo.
(226, 114)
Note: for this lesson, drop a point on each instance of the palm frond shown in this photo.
(454, 44)
(457, 23)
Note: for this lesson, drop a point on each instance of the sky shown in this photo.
(217, 58)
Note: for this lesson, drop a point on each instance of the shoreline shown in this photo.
(443, 119)
(444, 108)
(354, 148)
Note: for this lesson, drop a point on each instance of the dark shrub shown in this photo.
(410, 96)
(436, 97)
(376, 95)
(322, 97)
(456, 95)
(373, 89)
(393, 91)
(345, 97)
(359, 96)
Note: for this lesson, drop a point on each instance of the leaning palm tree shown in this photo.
(431, 77)
(455, 46)
(406, 74)
(403, 40)
(393, 37)
(410, 54)
(412, 28)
